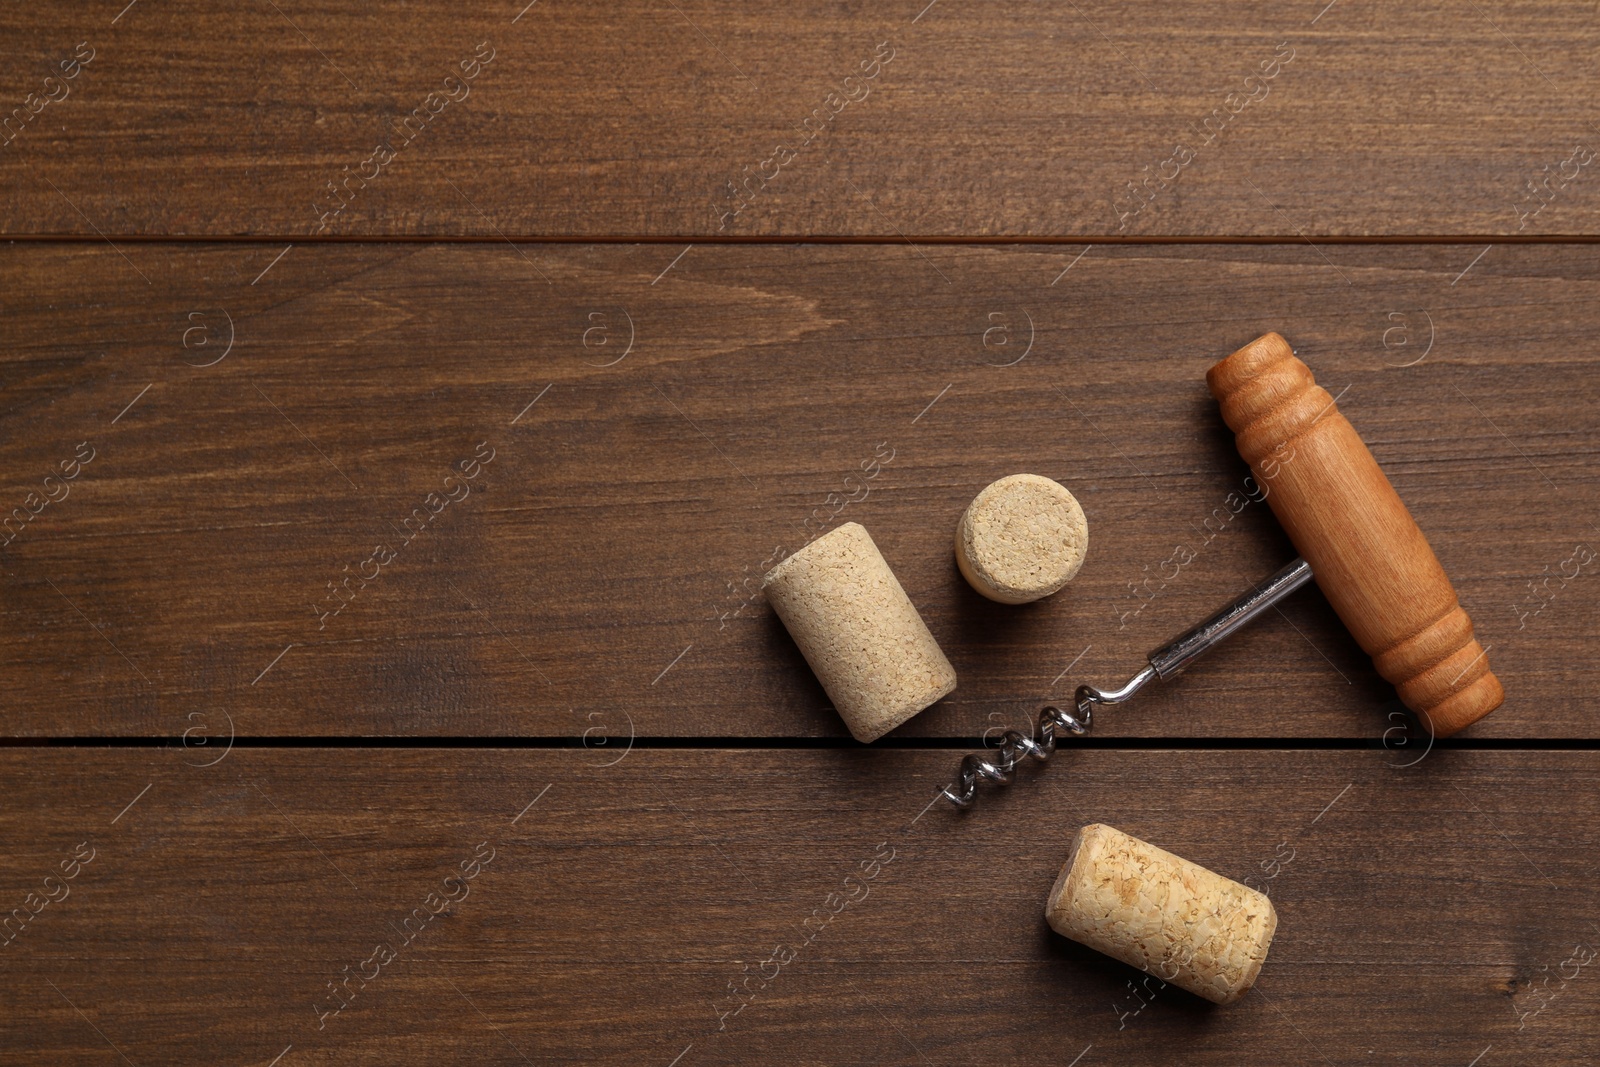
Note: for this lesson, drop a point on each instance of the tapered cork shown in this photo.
(859, 631)
(1162, 914)
(1022, 538)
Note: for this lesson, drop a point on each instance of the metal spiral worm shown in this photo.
(1164, 662)
(1015, 746)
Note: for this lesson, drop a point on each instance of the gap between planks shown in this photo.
(1049, 240)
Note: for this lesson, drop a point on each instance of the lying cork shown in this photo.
(1021, 538)
(1162, 914)
(859, 631)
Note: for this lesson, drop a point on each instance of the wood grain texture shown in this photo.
(1425, 914)
(348, 488)
(1371, 561)
(1011, 118)
(606, 560)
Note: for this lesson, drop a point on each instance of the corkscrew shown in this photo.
(1165, 662)
(1373, 563)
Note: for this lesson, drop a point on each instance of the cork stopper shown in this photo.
(859, 631)
(1162, 914)
(1022, 538)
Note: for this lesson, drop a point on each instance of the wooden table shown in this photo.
(402, 404)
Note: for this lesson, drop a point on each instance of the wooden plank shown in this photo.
(978, 119)
(658, 435)
(1426, 914)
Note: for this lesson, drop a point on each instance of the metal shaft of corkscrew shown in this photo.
(1166, 661)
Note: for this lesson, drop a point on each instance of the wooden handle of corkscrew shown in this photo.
(1368, 555)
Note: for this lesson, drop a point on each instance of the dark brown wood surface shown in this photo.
(608, 558)
(988, 119)
(359, 528)
(1429, 914)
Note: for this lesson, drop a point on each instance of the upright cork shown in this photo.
(859, 631)
(1022, 538)
(1162, 914)
(1370, 559)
